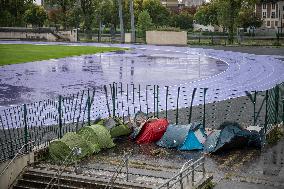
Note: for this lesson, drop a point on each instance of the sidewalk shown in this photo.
(264, 172)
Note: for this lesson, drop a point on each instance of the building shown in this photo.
(182, 3)
(272, 13)
(170, 3)
(189, 3)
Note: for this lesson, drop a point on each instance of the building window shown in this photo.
(276, 23)
(268, 23)
(263, 14)
(273, 5)
(273, 15)
(264, 6)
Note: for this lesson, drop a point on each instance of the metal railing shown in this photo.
(118, 170)
(15, 156)
(189, 168)
(47, 120)
(57, 176)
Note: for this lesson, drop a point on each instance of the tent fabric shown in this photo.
(174, 136)
(88, 134)
(211, 141)
(120, 130)
(152, 131)
(139, 120)
(191, 143)
(231, 136)
(61, 150)
(195, 138)
(116, 127)
(104, 137)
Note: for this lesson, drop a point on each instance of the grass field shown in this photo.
(20, 53)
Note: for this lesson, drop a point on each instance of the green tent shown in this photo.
(64, 149)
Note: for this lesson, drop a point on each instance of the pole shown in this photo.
(122, 37)
(132, 22)
(26, 128)
(204, 106)
(60, 116)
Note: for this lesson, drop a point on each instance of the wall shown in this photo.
(15, 168)
(166, 38)
(38, 34)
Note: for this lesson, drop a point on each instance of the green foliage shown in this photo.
(247, 18)
(182, 20)
(144, 23)
(207, 14)
(12, 12)
(64, 7)
(35, 15)
(229, 14)
(160, 15)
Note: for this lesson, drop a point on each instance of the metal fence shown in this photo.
(47, 120)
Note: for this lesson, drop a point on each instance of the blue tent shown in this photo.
(231, 136)
(195, 139)
(174, 136)
(184, 137)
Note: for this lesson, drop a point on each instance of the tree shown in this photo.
(224, 13)
(144, 23)
(182, 20)
(207, 14)
(12, 12)
(159, 14)
(247, 18)
(64, 6)
(35, 15)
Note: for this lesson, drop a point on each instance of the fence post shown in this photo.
(283, 110)
(167, 94)
(26, 128)
(181, 183)
(89, 108)
(203, 168)
(266, 111)
(204, 106)
(191, 104)
(254, 108)
(60, 116)
(192, 175)
(276, 104)
(157, 101)
(177, 106)
(113, 100)
(105, 88)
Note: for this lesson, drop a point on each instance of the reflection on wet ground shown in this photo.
(29, 82)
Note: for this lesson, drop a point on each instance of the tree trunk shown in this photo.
(132, 22)
(122, 36)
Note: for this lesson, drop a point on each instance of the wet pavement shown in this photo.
(250, 169)
(227, 74)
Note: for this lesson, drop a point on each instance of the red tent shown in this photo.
(152, 131)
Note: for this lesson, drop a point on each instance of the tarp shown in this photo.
(231, 136)
(195, 138)
(152, 131)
